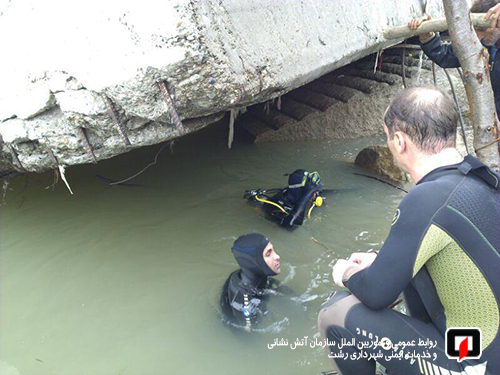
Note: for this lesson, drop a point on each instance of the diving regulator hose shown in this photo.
(272, 203)
(318, 202)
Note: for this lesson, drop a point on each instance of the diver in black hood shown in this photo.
(289, 206)
(243, 295)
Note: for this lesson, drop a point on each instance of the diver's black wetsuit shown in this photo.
(243, 296)
(443, 253)
(242, 303)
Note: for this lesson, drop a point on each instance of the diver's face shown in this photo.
(489, 36)
(271, 258)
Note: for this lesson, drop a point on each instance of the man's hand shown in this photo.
(338, 271)
(364, 260)
(415, 23)
(494, 13)
(342, 269)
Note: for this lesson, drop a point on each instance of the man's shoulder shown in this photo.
(434, 190)
(234, 281)
(425, 199)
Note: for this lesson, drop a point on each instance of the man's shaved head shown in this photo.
(427, 115)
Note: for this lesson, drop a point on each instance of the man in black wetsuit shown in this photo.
(243, 294)
(442, 254)
(444, 56)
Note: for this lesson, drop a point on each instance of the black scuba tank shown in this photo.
(298, 211)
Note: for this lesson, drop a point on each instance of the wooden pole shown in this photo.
(437, 25)
(474, 59)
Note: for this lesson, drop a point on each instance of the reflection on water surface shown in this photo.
(126, 280)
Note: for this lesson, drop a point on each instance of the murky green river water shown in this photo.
(126, 280)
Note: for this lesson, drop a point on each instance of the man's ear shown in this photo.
(400, 142)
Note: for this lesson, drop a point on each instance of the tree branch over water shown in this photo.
(474, 58)
(437, 25)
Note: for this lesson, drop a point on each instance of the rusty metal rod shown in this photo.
(121, 128)
(53, 157)
(86, 144)
(172, 110)
(16, 160)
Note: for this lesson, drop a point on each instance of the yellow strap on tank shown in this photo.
(271, 203)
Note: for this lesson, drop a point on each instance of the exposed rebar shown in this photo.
(53, 157)
(56, 179)
(241, 93)
(16, 160)
(172, 109)
(86, 144)
(121, 128)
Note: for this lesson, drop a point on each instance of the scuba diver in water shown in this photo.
(243, 296)
(288, 206)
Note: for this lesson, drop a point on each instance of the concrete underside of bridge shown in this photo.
(96, 79)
